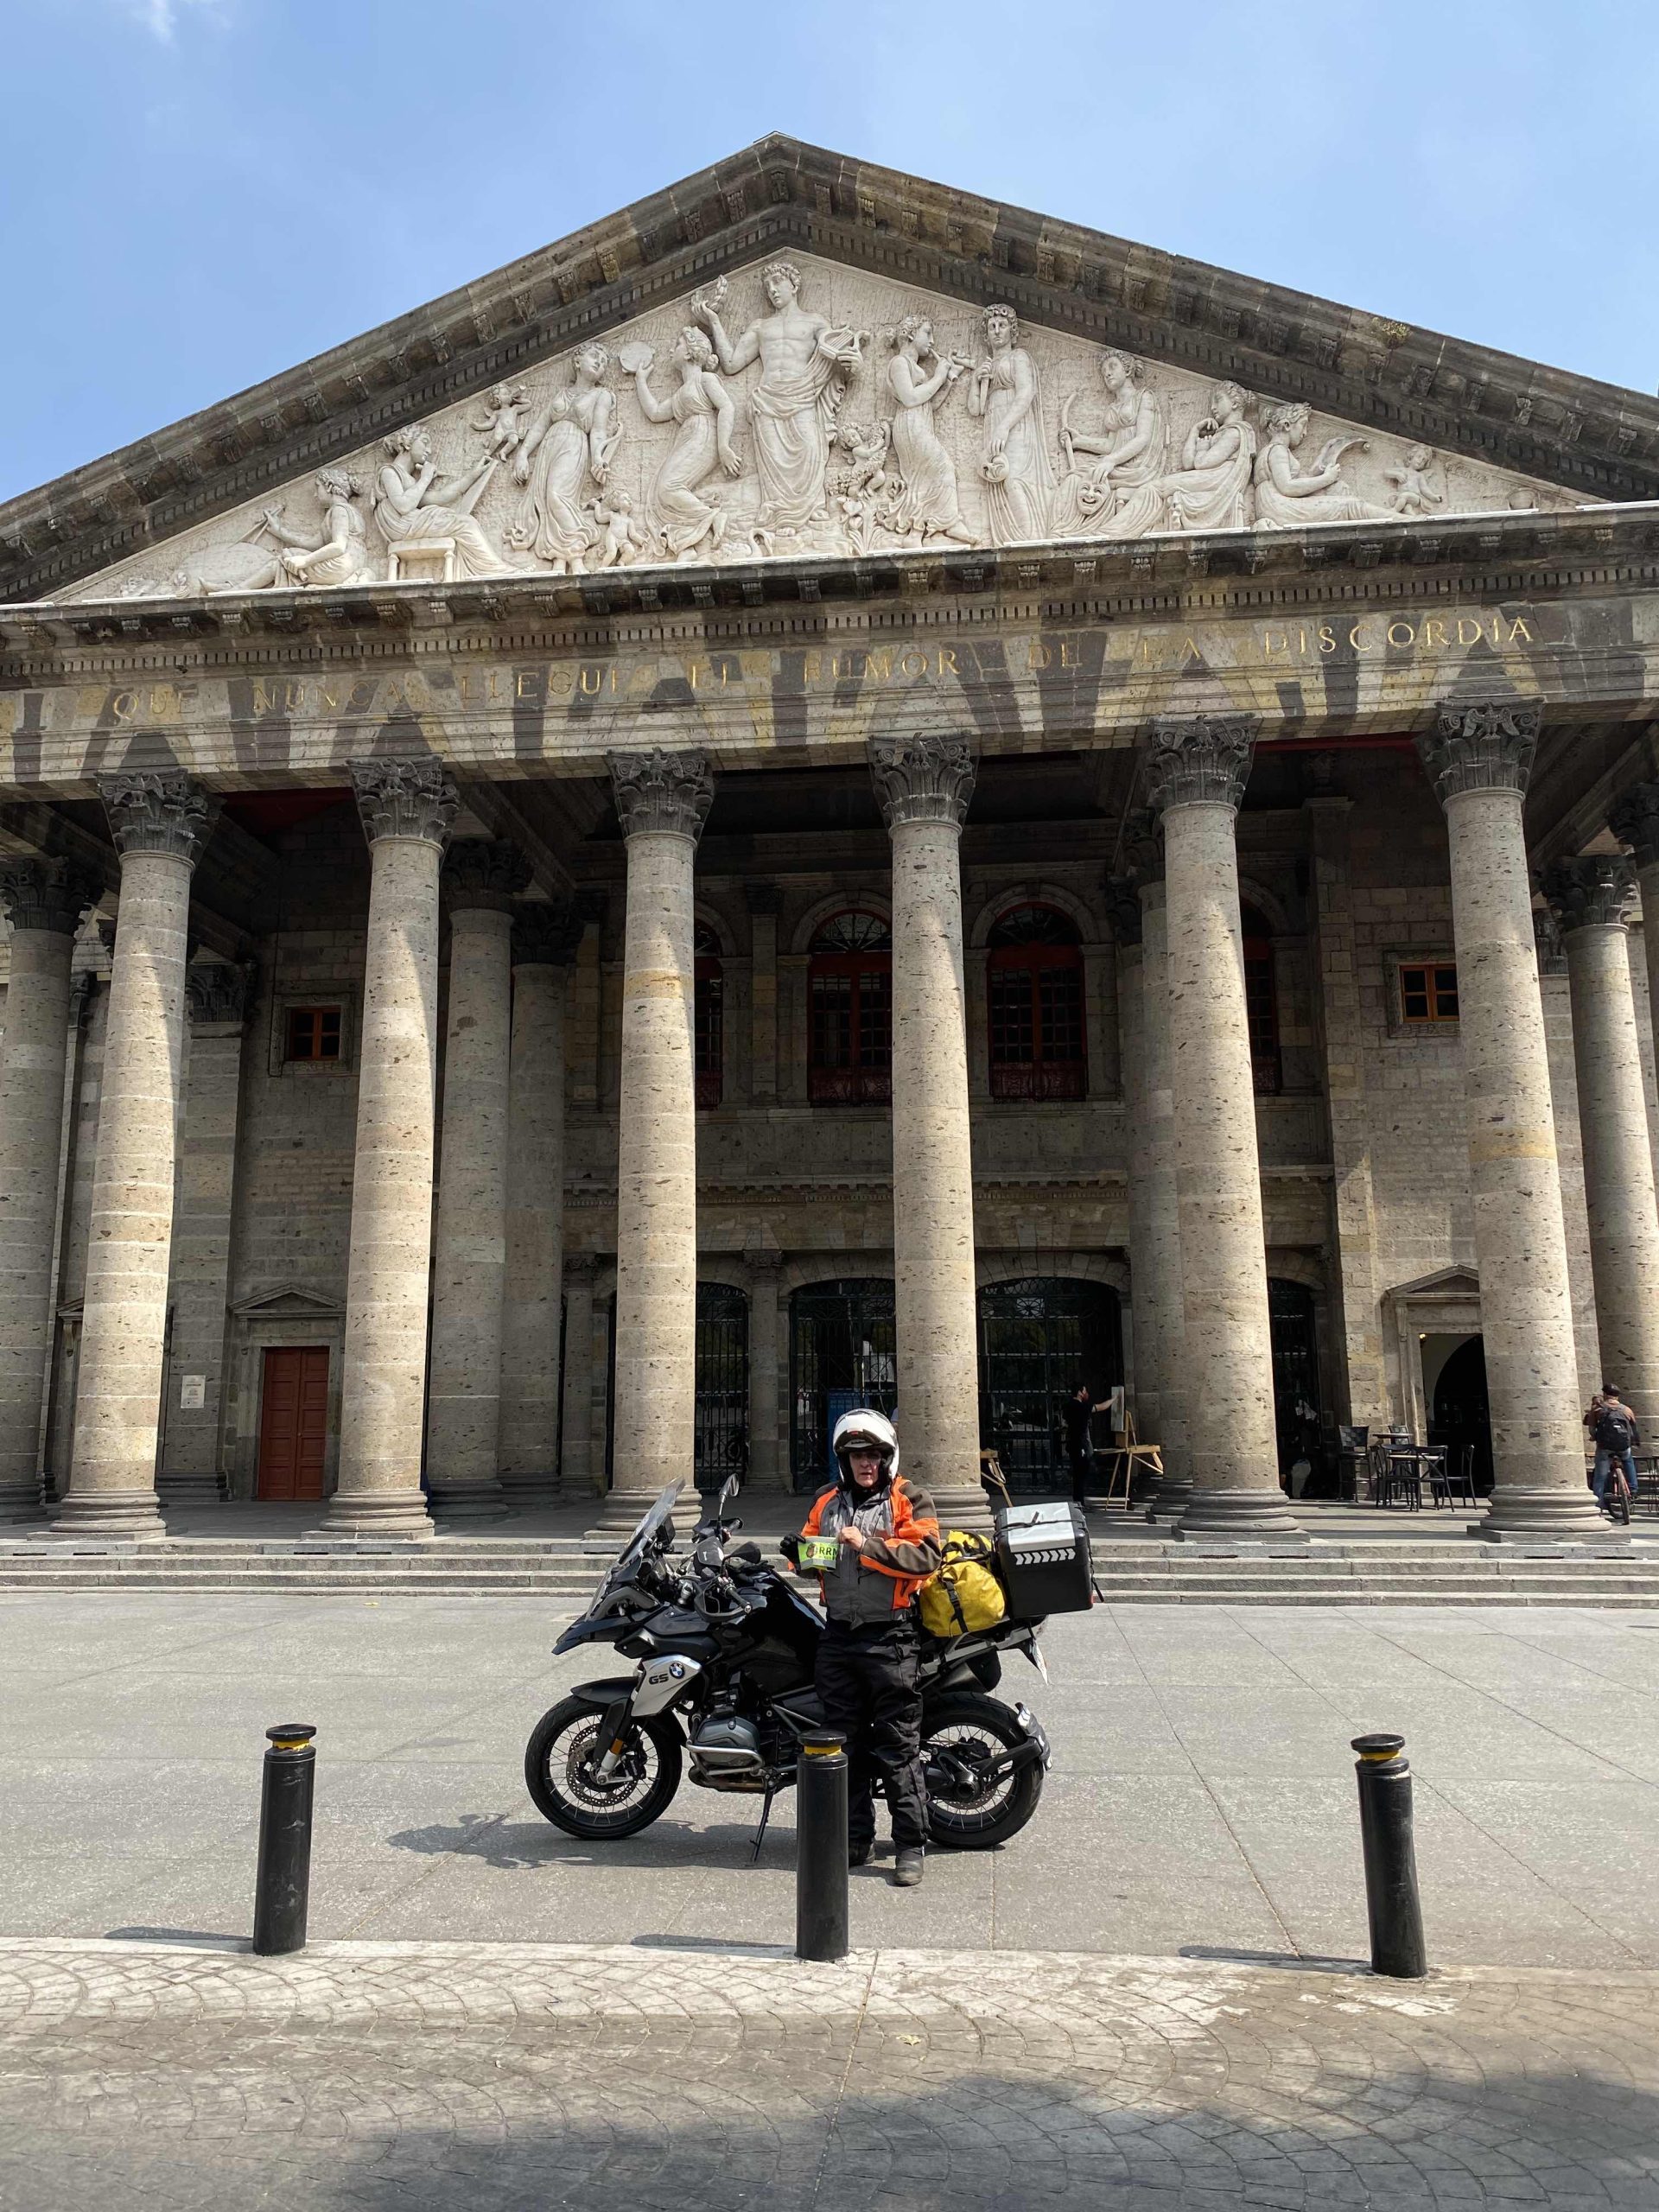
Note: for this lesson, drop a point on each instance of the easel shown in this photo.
(1124, 1457)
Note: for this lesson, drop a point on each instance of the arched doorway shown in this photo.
(1295, 1372)
(1038, 1338)
(722, 1446)
(1459, 1414)
(842, 1354)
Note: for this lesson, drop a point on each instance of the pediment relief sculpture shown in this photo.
(806, 409)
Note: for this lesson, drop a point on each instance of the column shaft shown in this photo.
(45, 909)
(662, 799)
(407, 807)
(160, 822)
(577, 1474)
(529, 1344)
(925, 786)
(1589, 897)
(1480, 758)
(1197, 773)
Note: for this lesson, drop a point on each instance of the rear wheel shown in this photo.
(969, 1809)
(560, 1762)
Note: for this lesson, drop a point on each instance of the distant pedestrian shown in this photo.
(1079, 1444)
(1613, 1430)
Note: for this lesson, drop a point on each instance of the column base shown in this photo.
(1170, 1499)
(1550, 1513)
(620, 1511)
(22, 1502)
(967, 1509)
(134, 1513)
(1239, 1516)
(528, 1493)
(394, 1513)
(454, 1501)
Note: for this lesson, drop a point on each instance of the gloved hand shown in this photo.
(790, 1548)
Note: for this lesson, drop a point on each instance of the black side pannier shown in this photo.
(1043, 1558)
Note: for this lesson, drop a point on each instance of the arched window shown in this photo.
(850, 977)
(1261, 1001)
(708, 1015)
(1035, 965)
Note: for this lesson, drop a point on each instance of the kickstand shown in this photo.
(760, 1833)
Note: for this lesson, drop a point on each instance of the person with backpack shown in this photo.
(868, 1673)
(1613, 1430)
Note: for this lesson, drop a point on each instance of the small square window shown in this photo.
(313, 1033)
(1428, 992)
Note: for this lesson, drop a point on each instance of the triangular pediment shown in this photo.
(288, 1301)
(1444, 1283)
(872, 247)
(799, 407)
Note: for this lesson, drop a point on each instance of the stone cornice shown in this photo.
(1592, 891)
(778, 193)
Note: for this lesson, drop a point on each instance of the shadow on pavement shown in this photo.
(499, 1841)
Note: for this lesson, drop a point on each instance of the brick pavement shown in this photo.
(706, 2079)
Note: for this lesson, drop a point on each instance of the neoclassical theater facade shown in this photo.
(829, 791)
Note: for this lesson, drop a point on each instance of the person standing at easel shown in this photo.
(1079, 1444)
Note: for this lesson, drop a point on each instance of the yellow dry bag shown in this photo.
(965, 1593)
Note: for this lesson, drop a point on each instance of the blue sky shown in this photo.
(198, 193)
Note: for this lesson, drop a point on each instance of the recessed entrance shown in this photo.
(1038, 1339)
(1454, 1383)
(842, 1355)
(293, 1422)
(722, 1405)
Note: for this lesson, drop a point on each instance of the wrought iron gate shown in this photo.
(722, 1415)
(1038, 1339)
(841, 1354)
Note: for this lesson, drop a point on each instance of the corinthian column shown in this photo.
(1479, 757)
(480, 879)
(160, 822)
(1196, 776)
(44, 902)
(1590, 899)
(662, 799)
(924, 784)
(407, 807)
(1634, 820)
(544, 944)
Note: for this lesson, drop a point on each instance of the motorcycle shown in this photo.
(725, 1650)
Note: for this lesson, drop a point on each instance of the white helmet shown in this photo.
(874, 1430)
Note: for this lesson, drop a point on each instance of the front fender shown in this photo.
(612, 1689)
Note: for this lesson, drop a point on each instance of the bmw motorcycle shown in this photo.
(725, 1648)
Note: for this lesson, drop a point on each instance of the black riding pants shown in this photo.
(868, 1678)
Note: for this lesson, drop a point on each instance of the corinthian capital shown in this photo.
(218, 993)
(405, 798)
(49, 894)
(488, 872)
(1123, 909)
(1634, 820)
(1141, 846)
(158, 811)
(545, 936)
(665, 794)
(1594, 891)
(1487, 746)
(923, 778)
(1201, 760)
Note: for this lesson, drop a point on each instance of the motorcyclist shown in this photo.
(867, 1673)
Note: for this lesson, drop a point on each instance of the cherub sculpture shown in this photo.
(867, 444)
(619, 537)
(503, 423)
(1418, 483)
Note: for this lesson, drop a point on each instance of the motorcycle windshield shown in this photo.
(628, 1557)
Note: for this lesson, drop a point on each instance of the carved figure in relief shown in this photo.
(803, 365)
(1211, 488)
(701, 408)
(339, 553)
(618, 535)
(1419, 485)
(867, 443)
(413, 503)
(1005, 393)
(1116, 493)
(503, 424)
(1286, 497)
(928, 501)
(574, 438)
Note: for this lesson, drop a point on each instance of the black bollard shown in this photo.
(821, 1848)
(283, 1881)
(1391, 1899)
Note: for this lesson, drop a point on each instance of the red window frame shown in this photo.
(313, 1033)
(1035, 1018)
(850, 1016)
(1428, 992)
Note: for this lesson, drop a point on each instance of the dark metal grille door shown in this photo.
(1295, 1370)
(1038, 1339)
(842, 1355)
(722, 1404)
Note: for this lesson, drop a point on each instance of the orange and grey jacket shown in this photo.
(901, 1550)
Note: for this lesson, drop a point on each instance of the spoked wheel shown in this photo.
(968, 1809)
(559, 1761)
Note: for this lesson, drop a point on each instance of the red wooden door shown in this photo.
(293, 1421)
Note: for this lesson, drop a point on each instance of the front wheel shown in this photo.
(968, 1810)
(560, 1762)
